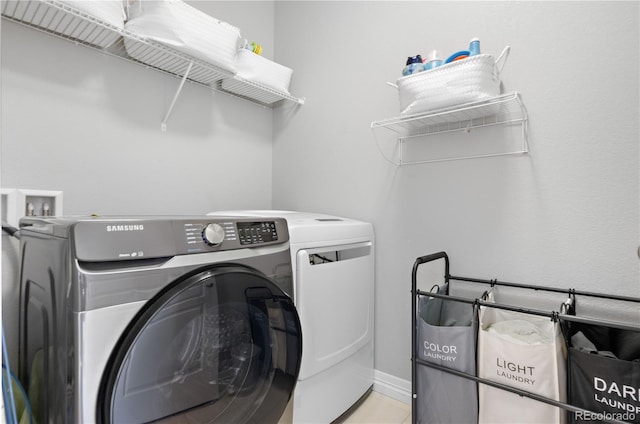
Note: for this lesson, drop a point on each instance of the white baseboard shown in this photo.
(394, 387)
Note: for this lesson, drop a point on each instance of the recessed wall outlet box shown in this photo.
(17, 203)
(8, 203)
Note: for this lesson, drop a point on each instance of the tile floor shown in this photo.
(379, 409)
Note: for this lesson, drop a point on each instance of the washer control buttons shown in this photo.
(257, 232)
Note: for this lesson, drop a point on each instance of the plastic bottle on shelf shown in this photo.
(252, 47)
(256, 48)
(474, 47)
(433, 60)
(414, 65)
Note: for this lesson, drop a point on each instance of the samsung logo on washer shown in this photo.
(120, 228)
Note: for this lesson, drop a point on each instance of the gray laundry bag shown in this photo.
(447, 337)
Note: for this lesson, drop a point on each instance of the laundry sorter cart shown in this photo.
(489, 351)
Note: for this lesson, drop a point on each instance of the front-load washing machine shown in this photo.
(333, 265)
(155, 319)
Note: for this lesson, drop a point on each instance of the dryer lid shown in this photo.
(309, 227)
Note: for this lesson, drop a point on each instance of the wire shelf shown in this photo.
(60, 20)
(259, 93)
(506, 109)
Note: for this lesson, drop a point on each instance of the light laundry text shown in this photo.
(513, 371)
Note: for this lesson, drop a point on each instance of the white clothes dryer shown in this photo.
(333, 267)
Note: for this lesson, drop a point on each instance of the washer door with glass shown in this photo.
(222, 345)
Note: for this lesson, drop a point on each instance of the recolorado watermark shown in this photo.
(604, 416)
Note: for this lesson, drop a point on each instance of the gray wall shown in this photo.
(76, 120)
(565, 215)
(88, 124)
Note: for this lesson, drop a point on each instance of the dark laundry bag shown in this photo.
(604, 373)
(447, 337)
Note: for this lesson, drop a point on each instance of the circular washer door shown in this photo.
(222, 345)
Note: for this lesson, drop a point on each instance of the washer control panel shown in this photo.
(257, 232)
(226, 234)
(98, 239)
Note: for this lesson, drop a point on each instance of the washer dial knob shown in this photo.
(213, 234)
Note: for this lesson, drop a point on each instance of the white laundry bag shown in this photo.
(526, 352)
(183, 28)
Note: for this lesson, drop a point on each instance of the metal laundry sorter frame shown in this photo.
(552, 315)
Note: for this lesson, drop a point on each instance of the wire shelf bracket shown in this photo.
(163, 125)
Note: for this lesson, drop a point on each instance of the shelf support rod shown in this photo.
(163, 126)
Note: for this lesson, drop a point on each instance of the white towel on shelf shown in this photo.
(108, 11)
(184, 28)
